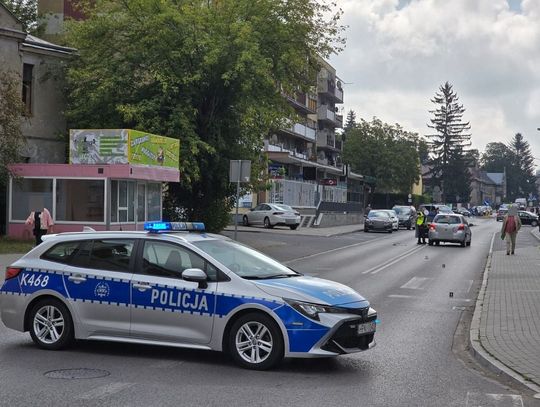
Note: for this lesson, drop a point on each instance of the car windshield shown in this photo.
(284, 207)
(444, 209)
(244, 261)
(450, 220)
(378, 214)
(401, 211)
(391, 213)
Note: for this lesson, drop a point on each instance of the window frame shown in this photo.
(87, 263)
(71, 257)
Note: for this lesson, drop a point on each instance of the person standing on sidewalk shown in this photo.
(510, 227)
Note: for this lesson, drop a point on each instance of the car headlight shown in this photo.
(311, 310)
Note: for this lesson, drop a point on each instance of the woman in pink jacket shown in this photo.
(42, 223)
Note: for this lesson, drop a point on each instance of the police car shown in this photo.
(167, 286)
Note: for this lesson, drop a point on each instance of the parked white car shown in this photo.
(270, 215)
(394, 217)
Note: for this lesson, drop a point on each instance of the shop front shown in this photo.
(103, 186)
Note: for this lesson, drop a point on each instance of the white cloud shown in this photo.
(397, 56)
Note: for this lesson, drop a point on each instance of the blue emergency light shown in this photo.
(156, 227)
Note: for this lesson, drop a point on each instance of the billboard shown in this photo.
(122, 146)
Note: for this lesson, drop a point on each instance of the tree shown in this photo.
(385, 152)
(448, 146)
(210, 73)
(524, 164)
(26, 12)
(11, 114)
(351, 120)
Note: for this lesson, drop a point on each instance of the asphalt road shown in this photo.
(423, 295)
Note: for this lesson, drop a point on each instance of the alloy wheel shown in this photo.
(48, 324)
(254, 342)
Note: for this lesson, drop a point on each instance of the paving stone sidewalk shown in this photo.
(509, 328)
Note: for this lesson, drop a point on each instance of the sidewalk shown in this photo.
(323, 232)
(505, 330)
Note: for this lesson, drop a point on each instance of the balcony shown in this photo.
(273, 148)
(303, 102)
(327, 87)
(302, 130)
(325, 114)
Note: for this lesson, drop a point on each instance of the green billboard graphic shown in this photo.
(149, 149)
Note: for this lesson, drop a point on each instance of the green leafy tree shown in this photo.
(386, 152)
(210, 73)
(26, 12)
(524, 185)
(11, 116)
(448, 145)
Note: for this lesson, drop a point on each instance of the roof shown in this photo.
(179, 235)
(496, 177)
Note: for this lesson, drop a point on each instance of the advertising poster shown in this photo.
(149, 149)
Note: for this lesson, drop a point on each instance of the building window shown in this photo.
(27, 87)
(141, 202)
(30, 194)
(79, 200)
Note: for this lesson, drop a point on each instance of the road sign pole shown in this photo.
(237, 199)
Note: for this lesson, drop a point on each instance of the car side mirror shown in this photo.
(195, 276)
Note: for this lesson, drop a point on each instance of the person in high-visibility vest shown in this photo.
(421, 228)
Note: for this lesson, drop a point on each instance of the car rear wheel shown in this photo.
(51, 326)
(463, 244)
(430, 243)
(245, 220)
(534, 223)
(267, 223)
(255, 342)
(293, 227)
(438, 243)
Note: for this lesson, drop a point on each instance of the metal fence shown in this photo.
(298, 193)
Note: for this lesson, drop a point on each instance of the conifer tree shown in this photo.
(524, 165)
(448, 146)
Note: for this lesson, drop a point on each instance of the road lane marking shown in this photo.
(493, 400)
(309, 256)
(392, 261)
(470, 285)
(416, 283)
(104, 391)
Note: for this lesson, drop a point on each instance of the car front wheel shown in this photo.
(51, 326)
(255, 342)
(267, 223)
(245, 220)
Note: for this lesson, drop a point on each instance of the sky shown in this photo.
(399, 52)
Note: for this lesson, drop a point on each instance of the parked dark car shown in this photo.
(406, 216)
(462, 211)
(528, 218)
(378, 220)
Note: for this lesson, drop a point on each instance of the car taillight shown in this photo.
(432, 226)
(297, 213)
(12, 272)
(461, 227)
(277, 213)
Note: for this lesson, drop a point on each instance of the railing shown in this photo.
(338, 94)
(333, 194)
(293, 193)
(303, 130)
(273, 147)
(323, 113)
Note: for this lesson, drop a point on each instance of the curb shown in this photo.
(477, 350)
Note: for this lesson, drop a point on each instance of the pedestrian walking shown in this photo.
(421, 228)
(368, 208)
(510, 228)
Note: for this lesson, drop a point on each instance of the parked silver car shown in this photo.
(270, 215)
(451, 228)
(395, 220)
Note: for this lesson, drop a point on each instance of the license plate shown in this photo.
(290, 220)
(366, 328)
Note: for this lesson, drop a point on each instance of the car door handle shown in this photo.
(142, 286)
(77, 279)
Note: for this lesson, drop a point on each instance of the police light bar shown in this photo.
(156, 227)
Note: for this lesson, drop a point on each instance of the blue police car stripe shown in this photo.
(303, 332)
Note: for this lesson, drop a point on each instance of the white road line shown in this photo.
(332, 250)
(469, 285)
(415, 283)
(104, 391)
(499, 400)
(392, 261)
(402, 296)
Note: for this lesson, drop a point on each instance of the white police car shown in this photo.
(192, 290)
